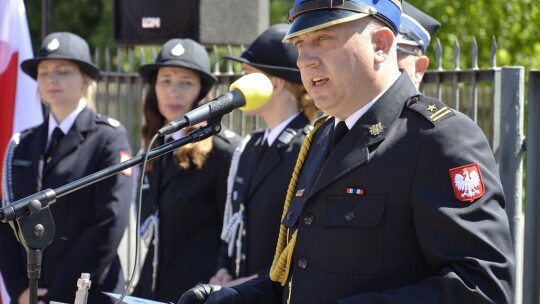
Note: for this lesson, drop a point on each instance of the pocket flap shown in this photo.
(355, 211)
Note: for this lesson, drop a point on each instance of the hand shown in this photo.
(24, 297)
(222, 276)
(210, 294)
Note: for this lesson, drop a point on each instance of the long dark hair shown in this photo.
(187, 155)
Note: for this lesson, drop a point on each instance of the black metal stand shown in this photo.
(34, 223)
(35, 232)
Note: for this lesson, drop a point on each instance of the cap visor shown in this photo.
(29, 66)
(316, 20)
(404, 40)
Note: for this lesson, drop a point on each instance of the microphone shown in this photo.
(247, 93)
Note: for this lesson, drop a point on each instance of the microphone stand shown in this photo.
(35, 226)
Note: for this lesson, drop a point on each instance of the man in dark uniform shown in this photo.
(405, 207)
(413, 39)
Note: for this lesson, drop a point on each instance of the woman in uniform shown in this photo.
(183, 194)
(72, 143)
(261, 172)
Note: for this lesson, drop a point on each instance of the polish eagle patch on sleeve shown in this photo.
(467, 182)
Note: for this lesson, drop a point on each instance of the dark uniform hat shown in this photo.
(268, 54)
(311, 15)
(416, 27)
(182, 53)
(62, 46)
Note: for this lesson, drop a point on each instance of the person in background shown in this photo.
(413, 39)
(260, 172)
(72, 143)
(183, 194)
(395, 198)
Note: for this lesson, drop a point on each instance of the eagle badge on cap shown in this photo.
(177, 50)
(53, 45)
(467, 182)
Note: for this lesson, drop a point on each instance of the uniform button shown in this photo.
(243, 256)
(244, 232)
(309, 219)
(302, 263)
(349, 215)
(290, 215)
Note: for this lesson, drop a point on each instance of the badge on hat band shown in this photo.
(53, 45)
(178, 50)
(467, 182)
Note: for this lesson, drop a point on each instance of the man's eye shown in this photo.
(323, 37)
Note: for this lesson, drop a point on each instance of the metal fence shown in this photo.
(492, 96)
(531, 255)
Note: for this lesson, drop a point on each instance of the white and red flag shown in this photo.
(20, 107)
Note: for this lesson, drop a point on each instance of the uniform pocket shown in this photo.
(353, 234)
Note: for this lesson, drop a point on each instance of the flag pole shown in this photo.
(45, 18)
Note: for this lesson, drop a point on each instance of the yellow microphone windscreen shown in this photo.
(256, 88)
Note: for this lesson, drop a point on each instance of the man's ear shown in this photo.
(383, 39)
(421, 66)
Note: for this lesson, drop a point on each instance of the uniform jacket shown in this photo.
(190, 205)
(262, 192)
(401, 236)
(89, 222)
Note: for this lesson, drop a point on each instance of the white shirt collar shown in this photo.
(272, 135)
(67, 123)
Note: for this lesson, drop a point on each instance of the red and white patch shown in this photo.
(467, 182)
(124, 156)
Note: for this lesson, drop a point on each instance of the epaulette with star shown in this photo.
(432, 109)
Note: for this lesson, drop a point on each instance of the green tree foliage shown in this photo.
(514, 24)
(90, 19)
(279, 10)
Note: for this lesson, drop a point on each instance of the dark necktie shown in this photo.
(259, 151)
(339, 131)
(56, 136)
